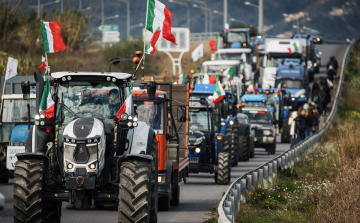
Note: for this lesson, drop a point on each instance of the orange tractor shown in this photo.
(154, 104)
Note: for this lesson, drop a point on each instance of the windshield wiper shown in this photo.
(69, 110)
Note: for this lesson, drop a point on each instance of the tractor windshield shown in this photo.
(234, 37)
(274, 61)
(15, 110)
(254, 104)
(100, 100)
(261, 117)
(152, 113)
(199, 121)
(292, 84)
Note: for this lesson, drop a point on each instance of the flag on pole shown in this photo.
(229, 72)
(229, 80)
(243, 57)
(293, 48)
(217, 41)
(158, 22)
(219, 92)
(250, 88)
(181, 79)
(278, 88)
(198, 52)
(11, 68)
(256, 88)
(126, 106)
(206, 79)
(150, 49)
(47, 104)
(43, 65)
(53, 42)
(153, 78)
(227, 27)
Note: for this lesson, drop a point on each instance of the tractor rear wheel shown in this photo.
(29, 187)
(224, 168)
(135, 193)
(285, 135)
(244, 148)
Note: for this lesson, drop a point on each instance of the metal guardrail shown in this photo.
(230, 203)
(195, 37)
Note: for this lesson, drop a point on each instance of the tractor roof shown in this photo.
(254, 97)
(233, 50)
(122, 76)
(204, 89)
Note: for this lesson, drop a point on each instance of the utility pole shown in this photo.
(102, 12)
(62, 6)
(225, 11)
(261, 17)
(38, 9)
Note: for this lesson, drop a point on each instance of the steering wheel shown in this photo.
(194, 127)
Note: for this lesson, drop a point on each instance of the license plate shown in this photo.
(10, 156)
(193, 159)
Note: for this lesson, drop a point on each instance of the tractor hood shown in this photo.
(296, 93)
(84, 128)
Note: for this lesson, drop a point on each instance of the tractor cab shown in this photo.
(236, 38)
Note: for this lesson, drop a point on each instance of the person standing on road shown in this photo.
(309, 120)
(300, 124)
(331, 73)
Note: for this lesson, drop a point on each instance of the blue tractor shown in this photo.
(208, 151)
(17, 117)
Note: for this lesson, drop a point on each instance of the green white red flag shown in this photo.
(219, 93)
(250, 88)
(158, 22)
(47, 104)
(181, 79)
(278, 88)
(293, 48)
(217, 38)
(256, 88)
(243, 57)
(43, 65)
(229, 72)
(127, 106)
(53, 42)
(153, 78)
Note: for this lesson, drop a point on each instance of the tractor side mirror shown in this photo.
(25, 87)
(181, 114)
(151, 89)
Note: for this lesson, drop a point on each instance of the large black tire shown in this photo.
(29, 204)
(229, 141)
(223, 169)
(235, 142)
(154, 182)
(175, 198)
(244, 153)
(165, 202)
(135, 191)
(285, 135)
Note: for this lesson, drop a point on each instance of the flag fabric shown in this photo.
(206, 79)
(159, 20)
(227, 27)
(293, 48)
(153, 78)
(219, 93)
(229, 72)
(243, 57)
(212, 79)
(250, 88)
(11, 68)
(53, 42)
(150, 49)
(229, 80)
(198, 52)
(256, 88)
(217, 38)
(47, 105)
(278, 88)
(43, 66)
(181, 79)
(127, 106)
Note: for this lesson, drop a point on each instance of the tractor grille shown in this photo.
(259, 133)
(193, 159)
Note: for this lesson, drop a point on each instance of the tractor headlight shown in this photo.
(302, 96)
(197, 150)
(135, 124)
(113, 79)
(231, 122)
(73, 141)
(96, 140)
(124, 116)
(92, 166)
(108, 78)
(70, 166)
(198, 141)
(222, 123)
(37, 122)
(292, 99)
(42, 116)
(37, 117)
(268, 132)
(129, 124)
(135, 119)
(89, 141)
(67, 140)
(42, 123)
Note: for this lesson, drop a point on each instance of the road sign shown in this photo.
(109, 28)
(110, 36)
(10, 156)
(182, 36)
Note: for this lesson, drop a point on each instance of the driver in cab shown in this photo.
(90, 106)
(195, 124)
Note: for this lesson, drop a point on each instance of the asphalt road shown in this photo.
(198, 196)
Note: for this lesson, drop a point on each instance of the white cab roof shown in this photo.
(230, 50)
(81, 73)
(221, 62)
(282, 45)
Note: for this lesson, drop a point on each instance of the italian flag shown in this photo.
(153, 78)
(250, 88)
(47, 104)
(227, 27)
(127, 106)
(229, 72)
(243, 57)
(293, 48)
(158, 22)
(206, 79)
(256, 88)
(181, 79)
(217, 38)
(43, 65)
(278, 88)
(53, 42)
(150, 49)
(219, 93)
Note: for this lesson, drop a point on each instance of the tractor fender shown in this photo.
(143, 136)
(34, 156)
(37, 140)
(142, 157)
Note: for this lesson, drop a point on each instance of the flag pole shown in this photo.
(143, 66)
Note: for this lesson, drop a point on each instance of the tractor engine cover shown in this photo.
(84, 147)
